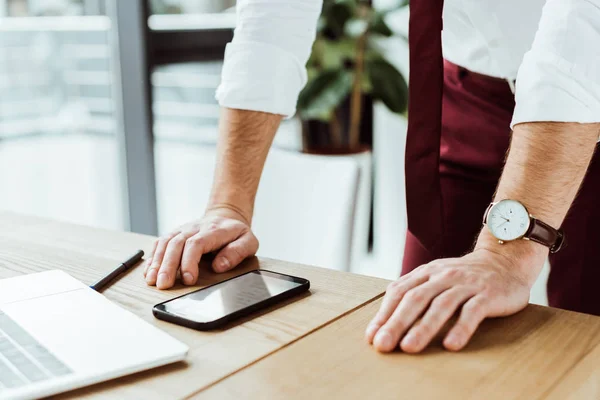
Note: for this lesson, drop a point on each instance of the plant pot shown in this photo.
(364, 201)
(363, 158)
(318, 137)
(338, 151)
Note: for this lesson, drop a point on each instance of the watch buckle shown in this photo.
(560, 242)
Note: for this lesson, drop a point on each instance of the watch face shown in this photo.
(508, 220)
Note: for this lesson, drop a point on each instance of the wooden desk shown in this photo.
(314, 347)
(541, 353)
(30, 245)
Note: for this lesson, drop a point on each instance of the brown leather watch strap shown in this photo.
(543, 233)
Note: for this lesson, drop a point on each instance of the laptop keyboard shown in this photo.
(23, 359)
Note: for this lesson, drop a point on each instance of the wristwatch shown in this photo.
(509, 220)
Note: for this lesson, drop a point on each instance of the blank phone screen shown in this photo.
(215, 302)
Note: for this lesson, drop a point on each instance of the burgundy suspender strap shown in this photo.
(423, 193)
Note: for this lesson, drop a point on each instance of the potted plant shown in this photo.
(346, 71)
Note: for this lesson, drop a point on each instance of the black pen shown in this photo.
(118, 271)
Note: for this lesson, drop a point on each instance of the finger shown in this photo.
(440, 311)
(235, 252)
(171, 261)
(206, 241)
(192, 253)
(157, 257)
(149, 260)
(412, 305)
(473, 312)
(394, 293)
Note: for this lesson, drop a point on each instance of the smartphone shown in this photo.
(216, 305)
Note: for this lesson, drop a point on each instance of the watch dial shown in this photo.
(508, 220)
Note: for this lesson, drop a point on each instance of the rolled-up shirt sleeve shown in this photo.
(264, 67)
(559, 78)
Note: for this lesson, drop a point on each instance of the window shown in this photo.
(58, 153)
(90, 90)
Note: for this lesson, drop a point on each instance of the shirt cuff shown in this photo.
(550, 89)
(260, 77)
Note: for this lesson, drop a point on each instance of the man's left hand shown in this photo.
(418, 305)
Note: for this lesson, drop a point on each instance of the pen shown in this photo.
(118, 271)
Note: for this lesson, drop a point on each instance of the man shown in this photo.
(453, 162)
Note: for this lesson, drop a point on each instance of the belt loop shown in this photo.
(512, 85)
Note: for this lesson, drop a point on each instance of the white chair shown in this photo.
(304, 210)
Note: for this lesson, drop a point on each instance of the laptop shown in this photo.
(57, 334)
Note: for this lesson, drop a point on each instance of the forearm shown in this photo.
(244, 141)
(544, 169)
(263, 72)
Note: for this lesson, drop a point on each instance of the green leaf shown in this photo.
(347, 3)
(316, 54)
(374, 51)
(321, 25)
(377, 25)
(334, 53)
(324, 93)
(312, 72)
(389, 85)
(336, 16)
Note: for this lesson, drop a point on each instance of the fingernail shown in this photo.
(371, 329)
(162, 279)
(223, 264)
(151, 276)
(453, 341)
(188, 279)
(383, 340)
(409, 340)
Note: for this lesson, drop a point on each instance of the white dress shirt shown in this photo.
(551, 48)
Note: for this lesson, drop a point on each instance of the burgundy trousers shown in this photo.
(476, 115)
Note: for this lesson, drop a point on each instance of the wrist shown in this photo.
(231, 200)
(230, 210)
(525, 257)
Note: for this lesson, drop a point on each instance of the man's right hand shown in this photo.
(244, 141)
(220, 229)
